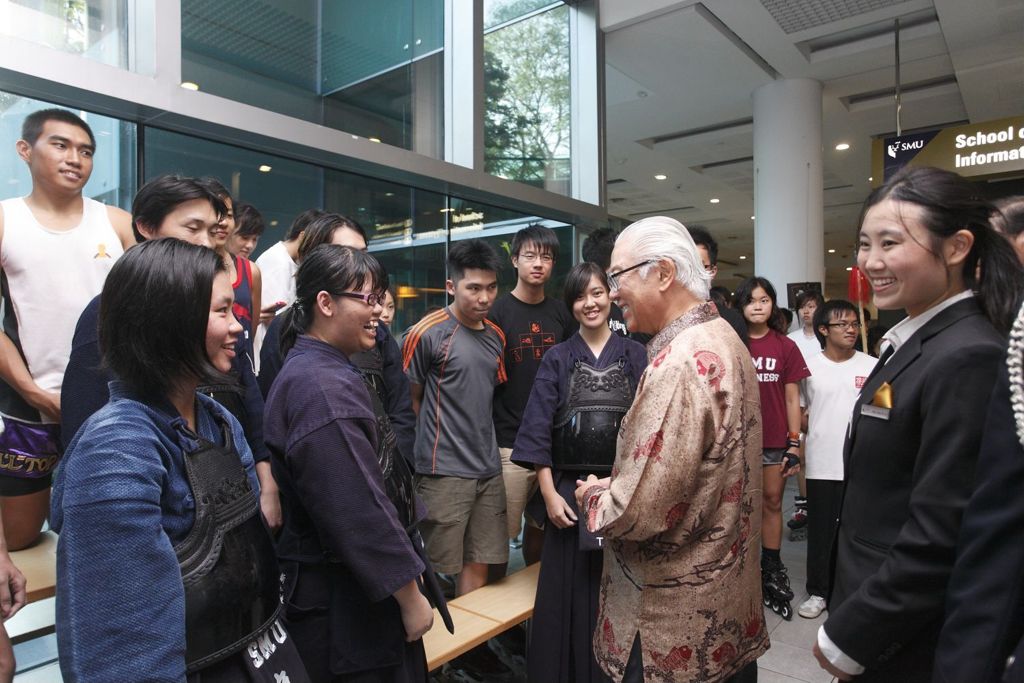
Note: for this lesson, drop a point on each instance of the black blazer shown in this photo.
(908, 479)
(985, 603)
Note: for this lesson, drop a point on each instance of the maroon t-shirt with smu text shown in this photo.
(778, 362)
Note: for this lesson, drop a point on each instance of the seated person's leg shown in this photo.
(23, 513)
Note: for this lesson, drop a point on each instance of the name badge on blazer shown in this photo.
(881, 403)
(869, 410)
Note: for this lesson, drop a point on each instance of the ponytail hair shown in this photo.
(333, 269)
(951, 203)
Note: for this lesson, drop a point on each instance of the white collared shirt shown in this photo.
(901, 332)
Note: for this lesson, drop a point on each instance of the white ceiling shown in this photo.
(686, 71)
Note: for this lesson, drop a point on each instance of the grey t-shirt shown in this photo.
(458, 368)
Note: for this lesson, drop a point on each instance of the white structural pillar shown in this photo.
(789, 231)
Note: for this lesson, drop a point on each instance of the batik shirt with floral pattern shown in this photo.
(682, 515)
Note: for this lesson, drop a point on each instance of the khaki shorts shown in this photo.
(520, 484)
(465, 521)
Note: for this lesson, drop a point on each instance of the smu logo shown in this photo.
(899, 151)
(903, 147)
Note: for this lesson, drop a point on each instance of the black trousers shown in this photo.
(635, 668)
(824, 499)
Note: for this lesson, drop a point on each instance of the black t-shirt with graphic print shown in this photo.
(530, 330)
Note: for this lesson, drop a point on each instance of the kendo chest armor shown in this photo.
(227, 560)
(585, 430)
(397, 476)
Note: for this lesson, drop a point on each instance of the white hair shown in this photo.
(661, 237)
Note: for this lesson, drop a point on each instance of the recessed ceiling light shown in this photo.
(743, 258)
(373, 139)
(871, 179)
(389, 194)
(273, 224)
(849, 268)
(714, 200)
(842, 146)
(660, 176)
(265, 168)
(189, 85)
(753, 217)
(831, 251)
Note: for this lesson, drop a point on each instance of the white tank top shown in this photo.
(51, 275)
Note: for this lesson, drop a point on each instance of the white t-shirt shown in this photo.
(829, 395)
(277, 271)
(809, 346)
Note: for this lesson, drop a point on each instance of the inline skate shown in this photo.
(798, 523)
(775, 589)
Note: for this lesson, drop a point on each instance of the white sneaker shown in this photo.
(812, 607)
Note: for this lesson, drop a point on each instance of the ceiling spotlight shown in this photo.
(265, 168)
(871, 179)
(189, 85)
(273, 224)
(753, 217)
(831, 251)
(842, 146)
(660, 176)
(849, 268)
(714, 200)
(743, 258)
(373, 139)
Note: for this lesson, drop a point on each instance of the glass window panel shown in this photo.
(96, 29)
(401, 107)
(113, 173)
(500, 11)
(527, 101)
(371, 69)
(417, 277)
(363, 39)
(280, 193)
(392, 214)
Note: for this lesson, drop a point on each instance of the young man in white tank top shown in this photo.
(56, 248)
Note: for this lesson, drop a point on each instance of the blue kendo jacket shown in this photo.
(120, 502)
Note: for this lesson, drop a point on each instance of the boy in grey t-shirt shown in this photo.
(454, 359)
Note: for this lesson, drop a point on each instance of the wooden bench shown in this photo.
(477, 616)
(481, 615)
(39, 565)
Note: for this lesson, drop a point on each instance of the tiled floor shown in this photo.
(788, 661)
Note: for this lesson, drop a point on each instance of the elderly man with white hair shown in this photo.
(681, 512)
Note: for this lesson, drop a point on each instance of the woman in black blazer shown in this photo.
(926, 246)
